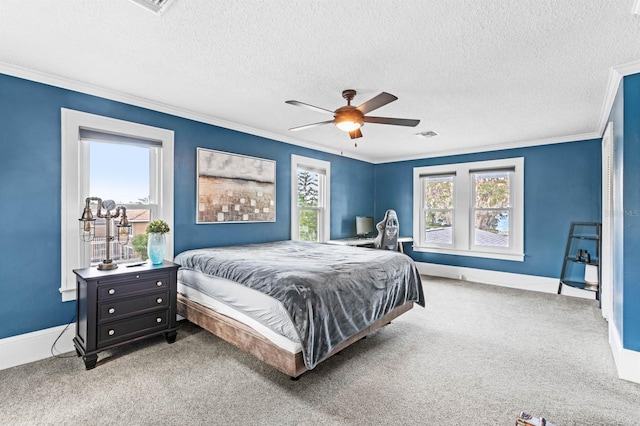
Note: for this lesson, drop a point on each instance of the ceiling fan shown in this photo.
(350, 119)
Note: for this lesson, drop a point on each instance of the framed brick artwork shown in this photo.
(235, 188)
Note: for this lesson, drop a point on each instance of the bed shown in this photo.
(293, 304)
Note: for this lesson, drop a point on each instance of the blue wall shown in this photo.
(562, 184)
(30, 170)
(626, 120)
(631, 226)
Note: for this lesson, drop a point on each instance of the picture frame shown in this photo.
(234, 188)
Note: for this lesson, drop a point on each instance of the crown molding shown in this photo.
(89, 89)
(610, 95)
(628, 68)
(497, 147)
(615, 76)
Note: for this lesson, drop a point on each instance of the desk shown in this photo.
(367, 242)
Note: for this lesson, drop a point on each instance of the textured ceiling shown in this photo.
(483, 74)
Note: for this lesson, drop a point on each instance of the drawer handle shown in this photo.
(112, 332)
(158, 320)
(159, 300)
(112, 291)
(159, 283)
(112, 310)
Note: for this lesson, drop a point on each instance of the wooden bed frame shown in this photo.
(249, 340)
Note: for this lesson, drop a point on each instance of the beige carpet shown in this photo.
(477, 354)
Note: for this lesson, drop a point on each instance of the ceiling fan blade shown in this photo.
(394, 121)
(354, 134)
(311, 107)
(306, 126)
(376, 102)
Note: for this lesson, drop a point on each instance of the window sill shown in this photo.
(515, 257)
(68, 294)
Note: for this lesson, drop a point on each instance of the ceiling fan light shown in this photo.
(348, 119)
(348, 126)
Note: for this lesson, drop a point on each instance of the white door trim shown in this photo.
(608, 217)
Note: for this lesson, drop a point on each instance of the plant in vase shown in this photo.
(156, 231)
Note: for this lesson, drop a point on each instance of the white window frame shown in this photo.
(323, 168)
(463, 232)
(75, 184)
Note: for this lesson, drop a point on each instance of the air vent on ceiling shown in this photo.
(157, 6)
(426, 135)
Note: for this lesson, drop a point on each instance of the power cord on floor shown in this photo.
(53, 347)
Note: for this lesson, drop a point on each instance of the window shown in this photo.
(438, 209)
(491, 208)
(131, 187)
(310, 199)
(129, 163)
(470, 209)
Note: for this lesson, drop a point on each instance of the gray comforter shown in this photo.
(331, 292)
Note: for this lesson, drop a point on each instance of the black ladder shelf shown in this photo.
(583, 248)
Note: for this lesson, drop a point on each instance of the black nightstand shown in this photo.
(122, 305)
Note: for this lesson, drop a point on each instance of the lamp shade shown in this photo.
(87, 224)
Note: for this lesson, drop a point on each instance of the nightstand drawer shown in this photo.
(118, 308)
(113, 332)
(119, 289)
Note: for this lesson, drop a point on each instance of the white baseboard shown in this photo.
(627, 361)
(504, 279)
(35, 346)
(29, 347)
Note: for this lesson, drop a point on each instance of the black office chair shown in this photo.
(387, 238)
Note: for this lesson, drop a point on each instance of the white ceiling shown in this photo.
(483, 74)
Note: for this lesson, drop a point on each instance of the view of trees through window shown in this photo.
(491, 208)
(439, 210)
(308, 204)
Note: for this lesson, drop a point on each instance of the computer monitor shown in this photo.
(364, 226)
